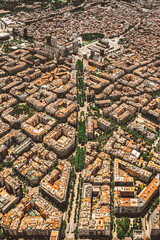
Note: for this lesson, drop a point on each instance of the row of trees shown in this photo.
(62, 236)
(128, 119)
(79, 158)
(153, 207)
(112, 192)
(81, 96)
(78, 206)
(151, 118)
(103, 136)
(157, 148)
(71, 191)
(81, 131)
(136, 135)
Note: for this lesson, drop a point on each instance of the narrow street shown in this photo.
(145, 226)
(70, 234)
